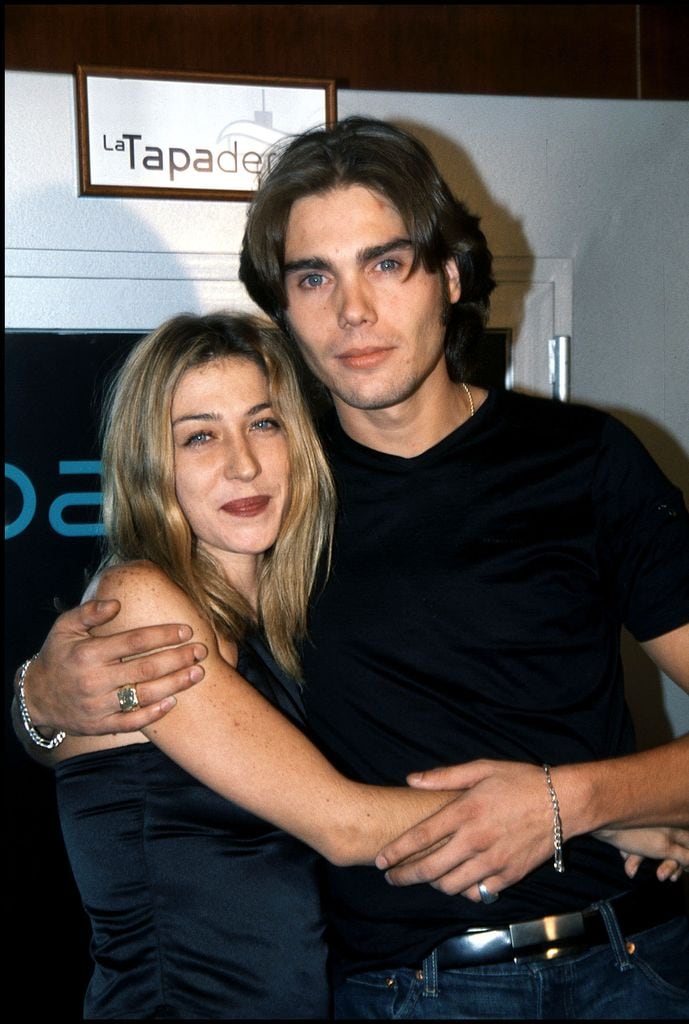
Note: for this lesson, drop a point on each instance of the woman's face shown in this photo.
(231, 462)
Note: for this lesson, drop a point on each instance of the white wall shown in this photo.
(584, 203)
(603, 183)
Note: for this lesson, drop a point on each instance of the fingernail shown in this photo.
(381, 862)
(199, 652)
(196, 673)
(184, 632)
(415, 777)
(168, 703)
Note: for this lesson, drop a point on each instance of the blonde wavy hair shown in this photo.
(141, 514)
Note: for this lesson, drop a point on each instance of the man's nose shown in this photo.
(356, 303)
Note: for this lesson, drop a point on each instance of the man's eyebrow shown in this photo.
(375, 252)
(313, 263)
(319, 263)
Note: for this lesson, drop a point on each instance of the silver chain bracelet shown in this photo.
(558, 863)
(34, 735)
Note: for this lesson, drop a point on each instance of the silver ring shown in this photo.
(128, 699)
(486, 895)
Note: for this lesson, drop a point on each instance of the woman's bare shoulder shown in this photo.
(146, 594)
(120, 575)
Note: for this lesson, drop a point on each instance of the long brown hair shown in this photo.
(141, 514)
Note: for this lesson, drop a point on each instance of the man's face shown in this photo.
(370, 328)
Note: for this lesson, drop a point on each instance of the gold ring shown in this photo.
(128, 699)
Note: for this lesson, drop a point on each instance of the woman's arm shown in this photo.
(234, 741)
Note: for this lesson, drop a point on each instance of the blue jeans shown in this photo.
(646, 977)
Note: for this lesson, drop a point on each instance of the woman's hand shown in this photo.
(670, 846)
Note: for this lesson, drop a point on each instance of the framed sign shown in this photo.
(179, 135)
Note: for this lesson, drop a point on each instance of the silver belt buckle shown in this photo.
(550, 932)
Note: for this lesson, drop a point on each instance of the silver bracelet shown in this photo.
(34, 735)
(558, 863)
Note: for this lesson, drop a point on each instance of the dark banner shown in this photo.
(53, 389)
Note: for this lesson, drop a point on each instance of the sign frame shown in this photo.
(147, 88)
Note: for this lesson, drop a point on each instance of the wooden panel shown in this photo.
(582, 50)
(664, 51)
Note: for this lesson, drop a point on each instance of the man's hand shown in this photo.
(498, 829)
(73, 683)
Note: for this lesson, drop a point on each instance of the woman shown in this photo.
(218, 508)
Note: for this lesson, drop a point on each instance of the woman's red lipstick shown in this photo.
(247, 507)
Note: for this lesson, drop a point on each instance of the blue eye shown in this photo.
(312, 281)
(388, 264)
(197, 439)
(266, 424)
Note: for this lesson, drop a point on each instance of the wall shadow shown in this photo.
(643, 683)
(465, 181)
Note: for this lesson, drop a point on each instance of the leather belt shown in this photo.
(548, 937)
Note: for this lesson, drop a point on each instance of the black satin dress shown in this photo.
(199, 909)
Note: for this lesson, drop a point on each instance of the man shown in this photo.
(489, 547)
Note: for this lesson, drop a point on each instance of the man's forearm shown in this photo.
(643, 789)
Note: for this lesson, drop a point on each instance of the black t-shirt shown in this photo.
(474, 610)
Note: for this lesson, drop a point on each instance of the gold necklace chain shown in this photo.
(471, 401)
